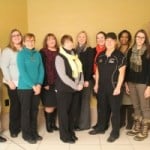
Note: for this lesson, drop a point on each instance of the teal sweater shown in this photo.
(30, 66)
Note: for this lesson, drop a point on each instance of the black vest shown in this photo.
(60, 85)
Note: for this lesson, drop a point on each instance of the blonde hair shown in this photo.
(87, 42)
(28, 35)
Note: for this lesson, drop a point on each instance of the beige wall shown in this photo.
(71, 16)
(13, 14)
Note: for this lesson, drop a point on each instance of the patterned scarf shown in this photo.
(136, 60)
(74, 63)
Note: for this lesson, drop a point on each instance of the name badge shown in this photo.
(111, 61)
(100, 61)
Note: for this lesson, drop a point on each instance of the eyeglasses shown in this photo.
(16, 35)
(140, 37)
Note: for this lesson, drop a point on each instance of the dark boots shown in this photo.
(48, 119)
(51, 121)
(126, 116)
(53, 124)
(130, 119)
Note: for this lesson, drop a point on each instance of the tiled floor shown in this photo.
(51, 141)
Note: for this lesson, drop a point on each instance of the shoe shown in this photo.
(122, 125)
(75, 138)
(2, 139)
(54, 127)
(13, 135)
(140, 137)
(31, 140)
(38, 137)
(93, 132)
(133, 132)
(111, 139)
(95, 126)
(70, 141)
(128, 127)
(144, 131)
(77, 129)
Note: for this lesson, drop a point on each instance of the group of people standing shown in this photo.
(64, 78)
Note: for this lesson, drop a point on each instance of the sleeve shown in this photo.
(81, 79)
(41, 70)
(148, 83)
(60, 68)
(122, 61)
(22, 69)
(90, 62)
(5, 64)
(45, 82)
(127, 65)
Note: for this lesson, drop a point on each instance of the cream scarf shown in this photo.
(74, 63)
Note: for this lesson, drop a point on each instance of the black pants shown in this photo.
(126, 116)
(102, 124)
(14, 112)
(66, 114)
(109, 102)
(77, 105)
(29, 112)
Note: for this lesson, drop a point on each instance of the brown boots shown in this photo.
(140, 129)
(144, 131)
(136, 128)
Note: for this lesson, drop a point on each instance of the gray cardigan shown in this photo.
(9, 65)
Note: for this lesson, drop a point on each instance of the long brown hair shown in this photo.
(45, 40)
(146, 42)
(10, 44)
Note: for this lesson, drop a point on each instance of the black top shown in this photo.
(108, 68)
(142, 77)
(87, 59)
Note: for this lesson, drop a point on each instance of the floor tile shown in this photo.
(85, 147)
(117, 147)
(85, 138)
(53, 147)
(142, 147)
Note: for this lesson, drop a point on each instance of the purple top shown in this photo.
(48, 58)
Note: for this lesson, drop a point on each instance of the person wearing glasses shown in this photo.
(10, 79)
(138, 84)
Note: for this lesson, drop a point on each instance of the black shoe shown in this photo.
(75, 138)
(111, 139)
(31, 140)
(129, 127)
(2, 139)
(77, 129)
(13, 135)
(70, 141)
(54, 127)
(93, 132)
(38, 137)
(95, 126)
